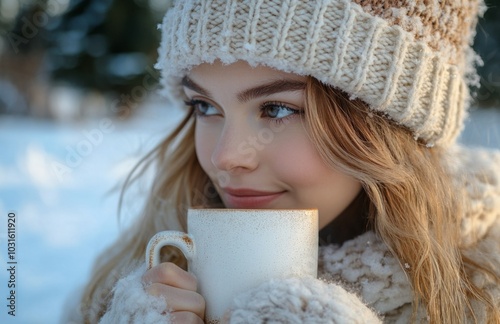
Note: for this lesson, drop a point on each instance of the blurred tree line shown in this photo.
(101, 46)
(487, 44)
(110, 47)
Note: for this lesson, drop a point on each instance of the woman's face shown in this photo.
(252, 142)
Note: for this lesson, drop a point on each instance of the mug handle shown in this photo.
(180, 240)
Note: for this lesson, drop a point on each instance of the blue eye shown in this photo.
(202, 108)
(277, 110)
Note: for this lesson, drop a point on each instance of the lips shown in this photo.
(248, 198)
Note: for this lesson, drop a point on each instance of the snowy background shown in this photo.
(67, 216)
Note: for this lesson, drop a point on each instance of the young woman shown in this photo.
(350, 107)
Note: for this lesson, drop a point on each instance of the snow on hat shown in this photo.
(408, 60)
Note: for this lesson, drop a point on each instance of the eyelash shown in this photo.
(294, 112)
(193, 104)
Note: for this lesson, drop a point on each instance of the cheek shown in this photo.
(296, 159)
(313, 184)
(205, 143)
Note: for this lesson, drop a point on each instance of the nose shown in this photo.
(237, 149)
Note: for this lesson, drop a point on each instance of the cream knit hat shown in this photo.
(407, 59)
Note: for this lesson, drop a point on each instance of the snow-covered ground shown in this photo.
(58, 179)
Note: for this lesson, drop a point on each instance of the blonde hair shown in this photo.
(413, 204)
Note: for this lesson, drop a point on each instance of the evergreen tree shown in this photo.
(487, 44)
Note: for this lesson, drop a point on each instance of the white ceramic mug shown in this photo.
(233, 250)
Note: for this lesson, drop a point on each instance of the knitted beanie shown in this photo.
(409, 60)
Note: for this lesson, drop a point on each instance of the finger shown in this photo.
(170, 274)
(179, 300)
(185, 317)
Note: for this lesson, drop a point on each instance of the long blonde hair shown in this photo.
(413, 204)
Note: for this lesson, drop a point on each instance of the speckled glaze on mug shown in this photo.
(233, 250)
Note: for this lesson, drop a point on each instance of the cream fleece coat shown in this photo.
(360, 281)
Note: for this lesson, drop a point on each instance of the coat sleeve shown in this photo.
(132, 304)
(300, 300)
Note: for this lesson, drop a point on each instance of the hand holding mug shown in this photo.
(233, 250)
(178, 287)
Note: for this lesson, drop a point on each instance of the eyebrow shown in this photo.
(277, 86)
(190, 84)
